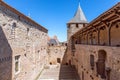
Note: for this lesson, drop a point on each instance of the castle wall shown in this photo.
(55, 54)
(73, 28)
(5, 57)
(95, 49)
(82, 63)
(23, 46)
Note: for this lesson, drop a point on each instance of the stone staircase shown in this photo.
(68, 73)
(63, 72)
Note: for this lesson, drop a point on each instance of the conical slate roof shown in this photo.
(79, 16)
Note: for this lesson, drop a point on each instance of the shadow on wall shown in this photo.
(64, 60)
(5, 58)
(67, 71)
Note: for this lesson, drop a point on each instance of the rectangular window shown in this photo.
(92, 61)
(13, 30)
(58, 60)
(17, 64)
(13, 33)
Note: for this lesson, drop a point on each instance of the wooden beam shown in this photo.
(109, 16)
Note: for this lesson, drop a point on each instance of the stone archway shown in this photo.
(101, 63)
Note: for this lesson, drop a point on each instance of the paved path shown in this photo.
(59, 73)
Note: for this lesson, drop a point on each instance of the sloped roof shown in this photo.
(79, 16)
(53, 40)
(107, 16)
(23, 16)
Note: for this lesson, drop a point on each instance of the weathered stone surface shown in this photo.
(55, 54)
(95, 49)
(19, 36)
(55, 51)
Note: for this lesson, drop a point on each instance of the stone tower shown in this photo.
(76, 23)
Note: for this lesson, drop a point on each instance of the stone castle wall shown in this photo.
(73, 28)
(95, 49)
(56, 54)
(82, 59)
(5, 57)
(23, 45)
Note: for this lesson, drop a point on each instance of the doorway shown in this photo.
(101, 63)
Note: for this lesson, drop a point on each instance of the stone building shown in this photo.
(77, 22)
(56, 51)
(23, 45)
(74, 25)
(94, 49)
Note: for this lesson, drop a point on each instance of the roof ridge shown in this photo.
(22, 15)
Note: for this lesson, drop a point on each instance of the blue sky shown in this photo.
(54, 14)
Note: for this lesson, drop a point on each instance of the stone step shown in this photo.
(62, 73)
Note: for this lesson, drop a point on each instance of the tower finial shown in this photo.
(79, 3)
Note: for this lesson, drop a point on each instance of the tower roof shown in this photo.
(79, 16)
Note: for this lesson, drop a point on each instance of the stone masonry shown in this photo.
(55, 51)
(94, 50)
(23, 45)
